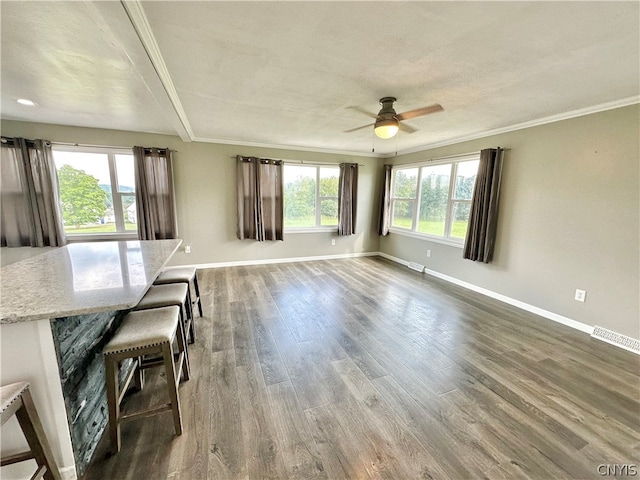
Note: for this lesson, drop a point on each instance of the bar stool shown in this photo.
(166, 295)
(145, 333)
(16, 400)
(186, 275)
(159, 296)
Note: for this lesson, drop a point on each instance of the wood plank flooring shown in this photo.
(360, 368)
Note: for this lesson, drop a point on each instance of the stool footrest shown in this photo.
(156, 361)
(16, 458)
(145, 413)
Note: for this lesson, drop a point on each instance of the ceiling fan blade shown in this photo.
(359, 128)
(363, 111)
(419, 112)
(406, 128)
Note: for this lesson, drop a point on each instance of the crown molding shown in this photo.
(140, 23)
(624, 102)
(288, 147)
(465, 138)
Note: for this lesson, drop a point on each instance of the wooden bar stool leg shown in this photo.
(172, 381)
(195, 285)
(191, 334)
(191, 315)
(34, 433)
(113, 400)
(182, 345)
(139, 375)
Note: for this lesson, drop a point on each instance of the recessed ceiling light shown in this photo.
(24, 101)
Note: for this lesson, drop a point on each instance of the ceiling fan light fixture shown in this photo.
(387, 128)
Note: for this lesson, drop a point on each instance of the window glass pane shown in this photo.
(129, 212)
(299, 196)
(460, 219)
(434, 196)
(329, 196)
(402, 214)
(125, 173)
(465, 179)
(329, 211)
(329, 181)
(85, 192)
(406, 183)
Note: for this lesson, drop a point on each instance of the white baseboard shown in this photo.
(503, 298)
(268, 261)
(68, 473)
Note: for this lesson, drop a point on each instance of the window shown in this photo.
(97, 191)
(434, 200)
(310, 196)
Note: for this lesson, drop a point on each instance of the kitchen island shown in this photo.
(57, 311)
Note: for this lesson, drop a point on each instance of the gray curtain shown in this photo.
(260, 199)
(384, 221)
(155, 198)
(483, 218)
(29, 195)
(347, 198)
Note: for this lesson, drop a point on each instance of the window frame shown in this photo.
(447, 238)
(318, 200)
(121, 233)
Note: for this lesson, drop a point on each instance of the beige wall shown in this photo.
(206, 195)
(569, 212)
(568, 215)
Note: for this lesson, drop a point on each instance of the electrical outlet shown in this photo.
(428, 253)
(187, 249)
(581, 295)
(333, 241)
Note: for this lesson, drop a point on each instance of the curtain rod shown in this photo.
(9, 140)
(68, 144)
(301, 162)
(460, 155)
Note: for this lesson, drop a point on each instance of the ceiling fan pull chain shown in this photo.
(397, 143)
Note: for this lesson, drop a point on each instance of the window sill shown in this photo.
(311, 230)
(430, 238)
(101, 237)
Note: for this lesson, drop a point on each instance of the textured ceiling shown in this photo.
(286, 73)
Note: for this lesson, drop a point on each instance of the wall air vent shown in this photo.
(617, 339)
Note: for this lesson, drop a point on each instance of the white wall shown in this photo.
(27, 354)
(206, 195)
(569, 212)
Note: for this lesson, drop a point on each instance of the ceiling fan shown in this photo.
(388, 121)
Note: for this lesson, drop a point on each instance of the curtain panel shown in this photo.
(155, 197)
(384, 220)
(347, 198)
(260, 198)
(483, 218)
(29, 195)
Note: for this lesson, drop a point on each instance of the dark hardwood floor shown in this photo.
(360, 368)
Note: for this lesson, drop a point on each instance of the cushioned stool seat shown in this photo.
(143, 333)
(170, 294)
(182, 275)
(15, 399)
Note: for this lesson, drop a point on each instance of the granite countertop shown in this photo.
(81, 278)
